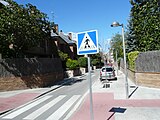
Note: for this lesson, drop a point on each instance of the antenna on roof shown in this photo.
(52, 15)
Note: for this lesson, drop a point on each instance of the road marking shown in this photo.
(75, 107)
(93, 75)
(41, 110)
(20, 111)
(59, 113)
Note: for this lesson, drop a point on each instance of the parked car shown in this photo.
(107, 73)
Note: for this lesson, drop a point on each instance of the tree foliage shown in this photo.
(95, 59)
(63, 56)
(144, 24)
(131, 59)
(22, 26)
(72, 64)
(82, 61)
(94, 62)
(117, 45)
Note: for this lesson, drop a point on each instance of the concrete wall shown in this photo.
(29, 73)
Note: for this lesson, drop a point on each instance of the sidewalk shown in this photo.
(111, 103)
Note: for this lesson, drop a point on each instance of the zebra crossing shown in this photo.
(44, 108)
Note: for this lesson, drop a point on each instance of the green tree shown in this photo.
(94, 62)
(82, 61)
(95, 59)
(23, 27)
(63, 56)
(131, 59)
(117, 45)
(144, 24)
(71, 64)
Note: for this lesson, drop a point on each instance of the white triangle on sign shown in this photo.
(87, 43)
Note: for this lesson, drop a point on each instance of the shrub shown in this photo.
(62, 55)
(82, 61)
(72, 64)
(132, 57)
(94, 61)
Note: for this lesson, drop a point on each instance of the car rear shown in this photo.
(107, 73)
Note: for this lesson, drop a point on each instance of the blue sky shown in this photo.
(83, 15)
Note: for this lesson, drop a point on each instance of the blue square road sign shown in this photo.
(87, 42)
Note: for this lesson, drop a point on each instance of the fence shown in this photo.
(148, 62)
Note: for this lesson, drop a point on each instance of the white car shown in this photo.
(107, 73)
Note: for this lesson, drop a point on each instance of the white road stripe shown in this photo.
(75, 107)
(59, 113)
(41, 110)
(18, 112)
(93, 75)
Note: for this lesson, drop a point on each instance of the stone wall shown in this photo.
(29, 73)
(148, 79)
(131, 75)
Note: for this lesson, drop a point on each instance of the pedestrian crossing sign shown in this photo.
(87, 42)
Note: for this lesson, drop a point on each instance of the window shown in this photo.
(107, 70)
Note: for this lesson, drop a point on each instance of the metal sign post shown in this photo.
(90, 89)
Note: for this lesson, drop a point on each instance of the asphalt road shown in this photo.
(59, 104)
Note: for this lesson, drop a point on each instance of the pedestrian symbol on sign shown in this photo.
(87, 43)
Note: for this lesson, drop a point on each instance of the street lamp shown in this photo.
(116, 59)
(116, 24)
(4, 3)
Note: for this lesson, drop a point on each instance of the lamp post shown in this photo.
(116, 61)
(116, 24)
(4, 3)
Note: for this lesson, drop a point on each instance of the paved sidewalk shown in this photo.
(111, 103)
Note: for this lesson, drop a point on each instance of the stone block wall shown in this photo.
(148, 79)
(29, 73)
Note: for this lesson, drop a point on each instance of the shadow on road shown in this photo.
(70, 81)
(133, 91)
(116, 110)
